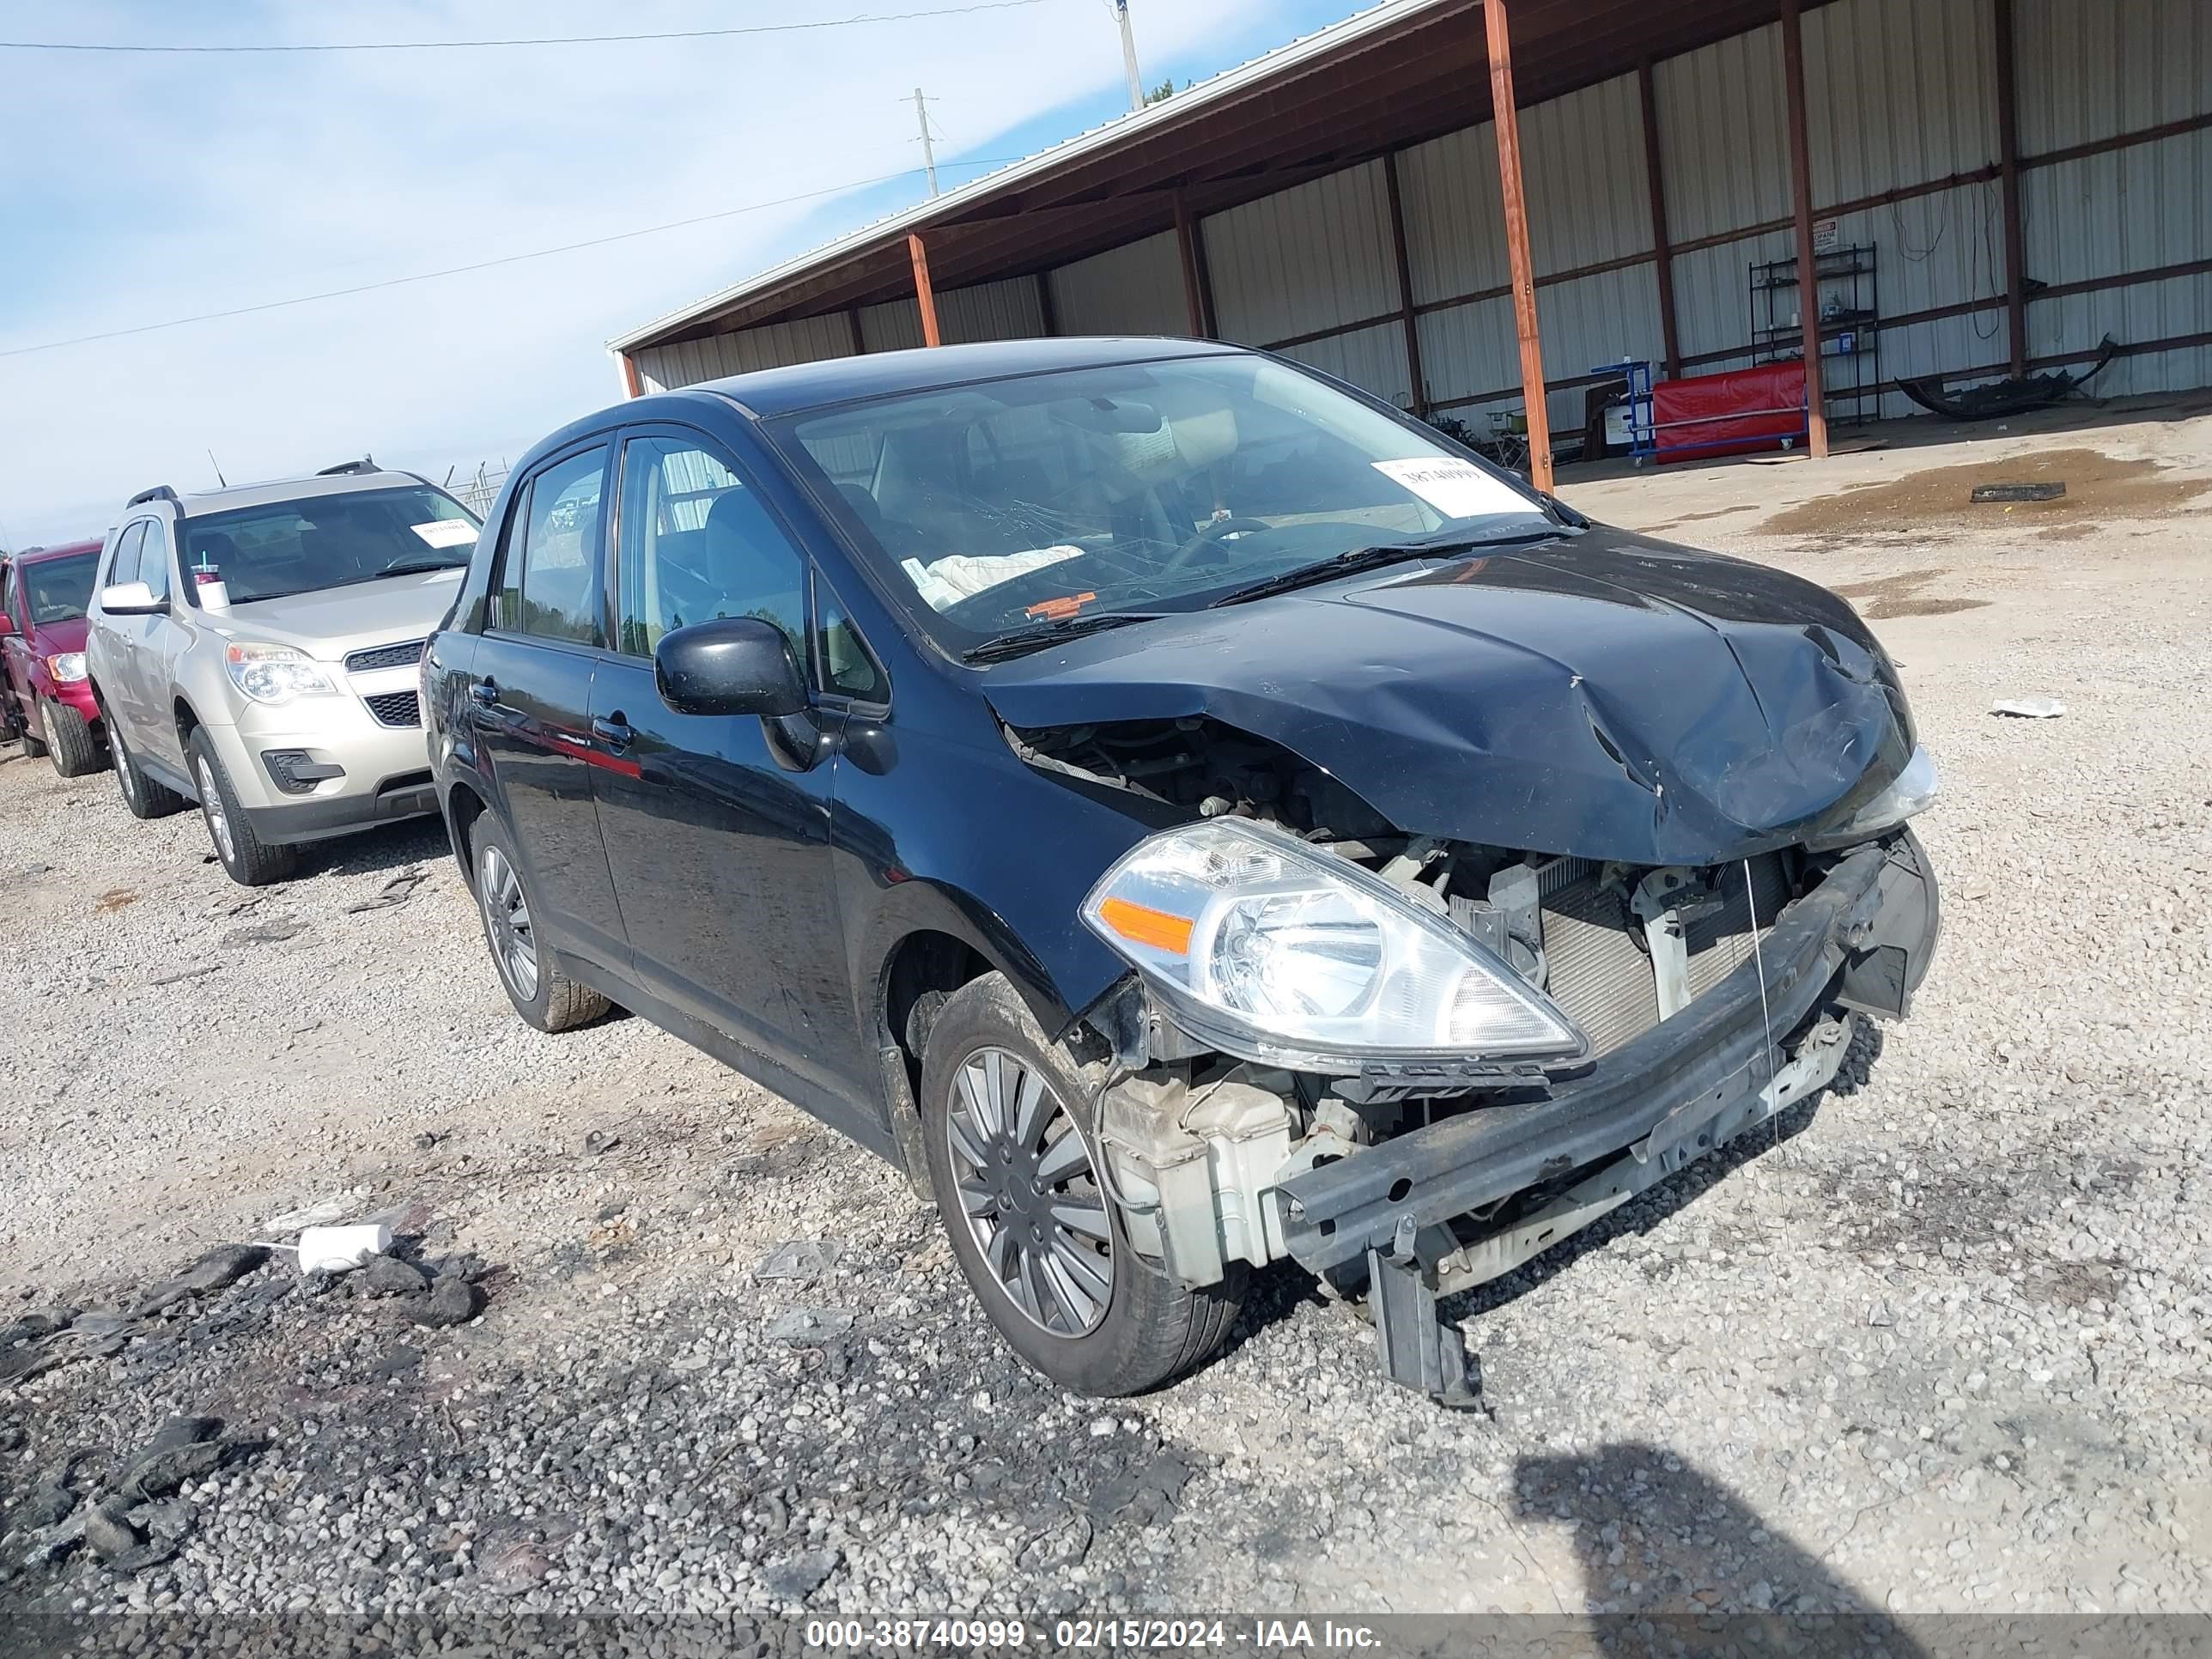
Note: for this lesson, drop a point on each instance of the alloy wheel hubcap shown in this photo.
(1029, 1193)
(218, 820)
(507, 913)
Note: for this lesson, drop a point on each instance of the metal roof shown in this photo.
(1395, 75)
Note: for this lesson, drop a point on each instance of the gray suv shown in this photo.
(257, 650)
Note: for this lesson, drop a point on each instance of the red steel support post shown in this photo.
(1662, 251)
(1194, 271)
(1517, 243)
(1408, 319)
(925, 295)
(1801, 190)
(2008, 172)
(632, 387)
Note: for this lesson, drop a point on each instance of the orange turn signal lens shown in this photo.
(1142, 924)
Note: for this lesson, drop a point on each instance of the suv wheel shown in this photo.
(69, 743)
(1007, 1130)
(34, 729)
(247, 859)
(541, 992)
(144, 797)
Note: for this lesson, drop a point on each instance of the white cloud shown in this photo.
(144, 188)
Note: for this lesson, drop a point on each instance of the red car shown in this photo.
(44, 697)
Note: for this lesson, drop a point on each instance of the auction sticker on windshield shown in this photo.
(445, 533)
(1458, 490)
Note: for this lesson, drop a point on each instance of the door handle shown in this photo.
(485, 692)
(615, 733)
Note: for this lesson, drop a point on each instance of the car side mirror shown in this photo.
(130, 600)
(7, 624)
(731, 665)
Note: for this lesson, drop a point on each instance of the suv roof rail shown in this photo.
(365, 464)
(158, 493)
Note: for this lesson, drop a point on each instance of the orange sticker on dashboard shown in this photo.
(1065, 605)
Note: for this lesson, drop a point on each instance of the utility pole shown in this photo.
(1129, 54)
(928, 154)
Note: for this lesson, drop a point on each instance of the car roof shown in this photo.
(773, 391)
(200, 503)
(59, 551)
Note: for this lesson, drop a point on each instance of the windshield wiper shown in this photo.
(1024, 640)
(416, 567)
(1371, 558)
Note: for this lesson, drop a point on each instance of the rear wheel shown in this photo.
(144, 797)
(541, 992)
(247, 859)
(34, 730)
(1007, 1131)
(70, 741)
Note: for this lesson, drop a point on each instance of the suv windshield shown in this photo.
(58, 590)
(1014, 504)
(328, 541)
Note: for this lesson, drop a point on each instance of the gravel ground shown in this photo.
(1940, 1344)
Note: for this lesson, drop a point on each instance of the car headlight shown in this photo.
(1912, 791)
(277, 673)
(66, 668)
(1272, 950)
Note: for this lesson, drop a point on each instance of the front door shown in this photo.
(530, 696)
(162, 639)
(717, 828)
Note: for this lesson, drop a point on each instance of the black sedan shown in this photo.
(1185, 812)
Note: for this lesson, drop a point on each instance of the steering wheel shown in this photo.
(1209, 539)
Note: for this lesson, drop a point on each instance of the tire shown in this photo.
(34, 729)
(247, 859)
(69, 743)
(1147, 1329)
(544, 996)
(142, 796)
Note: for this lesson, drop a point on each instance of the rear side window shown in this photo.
(547, 585)
(125, 568)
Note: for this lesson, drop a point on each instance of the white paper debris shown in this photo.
(2029, 708)
(944, 582)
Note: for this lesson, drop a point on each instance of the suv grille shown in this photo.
(405, 654)
(396, 709)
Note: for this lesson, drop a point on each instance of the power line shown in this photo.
(488, 264)
(533, 40)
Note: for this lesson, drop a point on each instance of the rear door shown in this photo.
(530, 693)
(717, 828)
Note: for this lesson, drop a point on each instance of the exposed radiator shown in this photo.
(1598, 969)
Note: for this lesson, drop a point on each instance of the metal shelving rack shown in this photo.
(1845, 289)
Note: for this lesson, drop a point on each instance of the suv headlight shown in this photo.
(1912, 791)
(1274, 951)
(66, 668)
(277, 673)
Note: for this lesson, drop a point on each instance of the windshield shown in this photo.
(328, 541)
(58, 590)
(1014, 503)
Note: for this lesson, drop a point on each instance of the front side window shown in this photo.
(55, 590)
(126, 566)
(338, 540)
(698, 544)
(548, 583)
(153, 561)
(1008, 504)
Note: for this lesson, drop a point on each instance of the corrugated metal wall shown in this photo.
(2091, 70)
(1900, 93)
(1132, 289)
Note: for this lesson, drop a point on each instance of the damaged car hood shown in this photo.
(1605, 696)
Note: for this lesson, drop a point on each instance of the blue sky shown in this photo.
(142, 188)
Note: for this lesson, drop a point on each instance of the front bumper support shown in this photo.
(1662, 1099)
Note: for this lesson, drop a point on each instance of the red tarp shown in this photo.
(1728, 414)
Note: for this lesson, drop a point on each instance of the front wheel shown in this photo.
(247, 859)
(69, 743)
(544, 996)
(1007, 1131)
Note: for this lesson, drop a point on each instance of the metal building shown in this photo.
(2027, 176)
